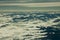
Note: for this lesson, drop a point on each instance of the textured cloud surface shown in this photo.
(29, 19)
(30, 26)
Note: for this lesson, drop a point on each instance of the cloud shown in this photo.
(33, 4)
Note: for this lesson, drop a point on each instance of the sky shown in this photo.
(31, 3)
